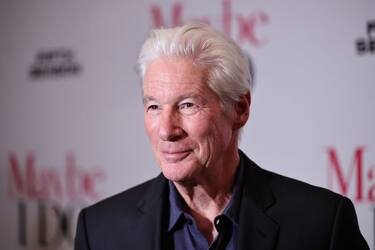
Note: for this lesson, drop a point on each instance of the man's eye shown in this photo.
(188, 108)
(152, 107)
(186, 105)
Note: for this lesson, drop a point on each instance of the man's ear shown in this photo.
(242, 111)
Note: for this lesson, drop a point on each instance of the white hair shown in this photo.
(228, 67)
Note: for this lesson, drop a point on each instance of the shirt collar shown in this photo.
(176, 203)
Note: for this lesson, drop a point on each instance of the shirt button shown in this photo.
(217, 222)
(222, 224)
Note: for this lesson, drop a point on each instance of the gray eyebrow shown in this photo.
(147, 99)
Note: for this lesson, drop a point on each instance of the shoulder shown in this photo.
(288, 198)
(289, 189)
(299, 204)
(125, 203)
(116, 222)
(302, 207)
(306, 216)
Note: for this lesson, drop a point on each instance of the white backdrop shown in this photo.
(71, 128)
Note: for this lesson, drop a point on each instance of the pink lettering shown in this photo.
(159, 20)
(227, 17)
(371, 191)
(247, 26)
(336, 170)
(34, 182)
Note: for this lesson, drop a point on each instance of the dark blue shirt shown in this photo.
(182, 228)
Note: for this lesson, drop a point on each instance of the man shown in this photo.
(210, 195)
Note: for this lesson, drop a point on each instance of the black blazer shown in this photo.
(277, 213)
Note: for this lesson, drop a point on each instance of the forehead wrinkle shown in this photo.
(170, 77)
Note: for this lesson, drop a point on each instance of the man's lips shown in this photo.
(175, 155)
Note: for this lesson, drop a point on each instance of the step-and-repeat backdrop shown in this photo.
(71, 127)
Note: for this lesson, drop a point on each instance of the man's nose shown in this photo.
(170, 128)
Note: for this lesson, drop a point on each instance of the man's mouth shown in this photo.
(173, 156)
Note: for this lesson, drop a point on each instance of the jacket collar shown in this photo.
(152, 209)
(256, 229)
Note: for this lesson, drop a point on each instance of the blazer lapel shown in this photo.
(148, 231)
(257, 231)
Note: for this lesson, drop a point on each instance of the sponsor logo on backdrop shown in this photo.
(355, 179)
(48, 199)
(246, 28)
(58, 62)
(366, 44)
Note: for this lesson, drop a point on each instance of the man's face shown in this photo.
(185, 122)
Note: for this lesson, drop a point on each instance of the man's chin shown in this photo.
(177, 173)
(184, 181)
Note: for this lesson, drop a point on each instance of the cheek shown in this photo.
(150, 126)
(200, 129)
(197, 126)
(211, 132)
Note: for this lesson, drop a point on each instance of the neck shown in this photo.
(207, 198)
